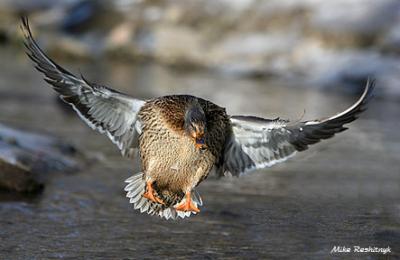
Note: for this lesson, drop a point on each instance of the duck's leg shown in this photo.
(188, 204)
(149, 194)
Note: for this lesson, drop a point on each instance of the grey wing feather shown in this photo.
(103, 109)
(257, 142)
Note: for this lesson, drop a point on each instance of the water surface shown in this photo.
(344, 191)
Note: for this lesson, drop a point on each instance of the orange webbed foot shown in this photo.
(187, 205)
(149, 194)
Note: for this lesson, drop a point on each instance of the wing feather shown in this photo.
(103, 109)
(257, 142)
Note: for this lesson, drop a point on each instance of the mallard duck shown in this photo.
(181, 138)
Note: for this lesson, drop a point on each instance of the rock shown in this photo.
(391, 42)
(177, 45)
(79, 14)
(15, 176)
(27, 159)
(88, 16)
(357, 17)
(22, 6)
(120, 42)
(328, 66)
(73, 48)
(253, 53)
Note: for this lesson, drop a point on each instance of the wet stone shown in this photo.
(27, 159)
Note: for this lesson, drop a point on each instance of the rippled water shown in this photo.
(342, 192)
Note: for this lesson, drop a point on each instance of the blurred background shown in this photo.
(62, 184)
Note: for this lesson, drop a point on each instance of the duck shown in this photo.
(181, 139)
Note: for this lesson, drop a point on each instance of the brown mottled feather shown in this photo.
(168, 155)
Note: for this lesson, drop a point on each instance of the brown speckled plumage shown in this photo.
(181, 138)
(168, 154)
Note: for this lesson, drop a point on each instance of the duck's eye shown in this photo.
(200, 140)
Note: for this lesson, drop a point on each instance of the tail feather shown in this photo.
(135, 190)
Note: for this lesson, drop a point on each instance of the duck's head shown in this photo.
(196, 125)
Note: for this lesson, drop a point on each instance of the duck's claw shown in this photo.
(187, 205)
(149, 194)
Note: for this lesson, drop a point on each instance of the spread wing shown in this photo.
(257, 143)
(103, 109)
